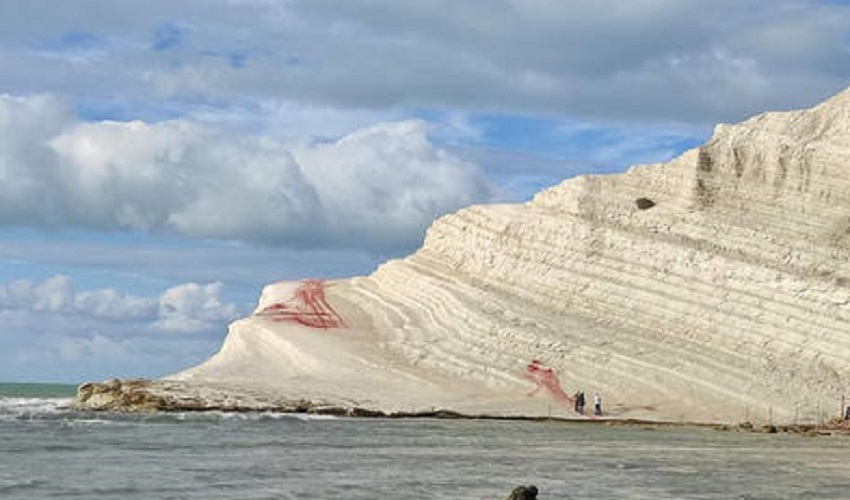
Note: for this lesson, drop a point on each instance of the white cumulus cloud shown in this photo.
(192, 307)
(49, 330)
(186, 308)
(376, 188)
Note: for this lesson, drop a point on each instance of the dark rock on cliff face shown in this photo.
(644, 203)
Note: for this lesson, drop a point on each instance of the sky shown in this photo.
(161, 161)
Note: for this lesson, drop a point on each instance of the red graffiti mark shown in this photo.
(308, 306)
(545, 378)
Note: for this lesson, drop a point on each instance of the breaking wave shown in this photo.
(22, 408)
(30, 408)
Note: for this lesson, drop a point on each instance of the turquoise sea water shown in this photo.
(50, 452)
(37, 390)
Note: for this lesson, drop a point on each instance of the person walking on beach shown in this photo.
(597, 404)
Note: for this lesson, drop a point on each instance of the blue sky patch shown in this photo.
(76, 42)
(238, 60)
(166, 37)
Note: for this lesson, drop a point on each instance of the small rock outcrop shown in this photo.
(140, 395)
(115, 394)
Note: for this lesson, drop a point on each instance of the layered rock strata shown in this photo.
(714, 287)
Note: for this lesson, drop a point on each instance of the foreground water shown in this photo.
(48, 452)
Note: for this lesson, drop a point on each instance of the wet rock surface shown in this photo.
(523, 493)
(135, 395)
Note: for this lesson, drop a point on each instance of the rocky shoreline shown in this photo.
(143, 395)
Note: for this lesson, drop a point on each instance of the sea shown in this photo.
(49, 451)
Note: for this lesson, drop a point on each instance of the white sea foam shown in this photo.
(8, 485)
(245, 416)
(23, 408)
(15, 407)
(313, 417)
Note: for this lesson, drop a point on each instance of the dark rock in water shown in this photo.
(524, 493)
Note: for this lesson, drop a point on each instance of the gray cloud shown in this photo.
(683, 60)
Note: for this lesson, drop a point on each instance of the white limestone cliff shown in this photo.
(714, 287)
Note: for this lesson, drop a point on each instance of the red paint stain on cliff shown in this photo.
(546, 379)
(308, 306)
